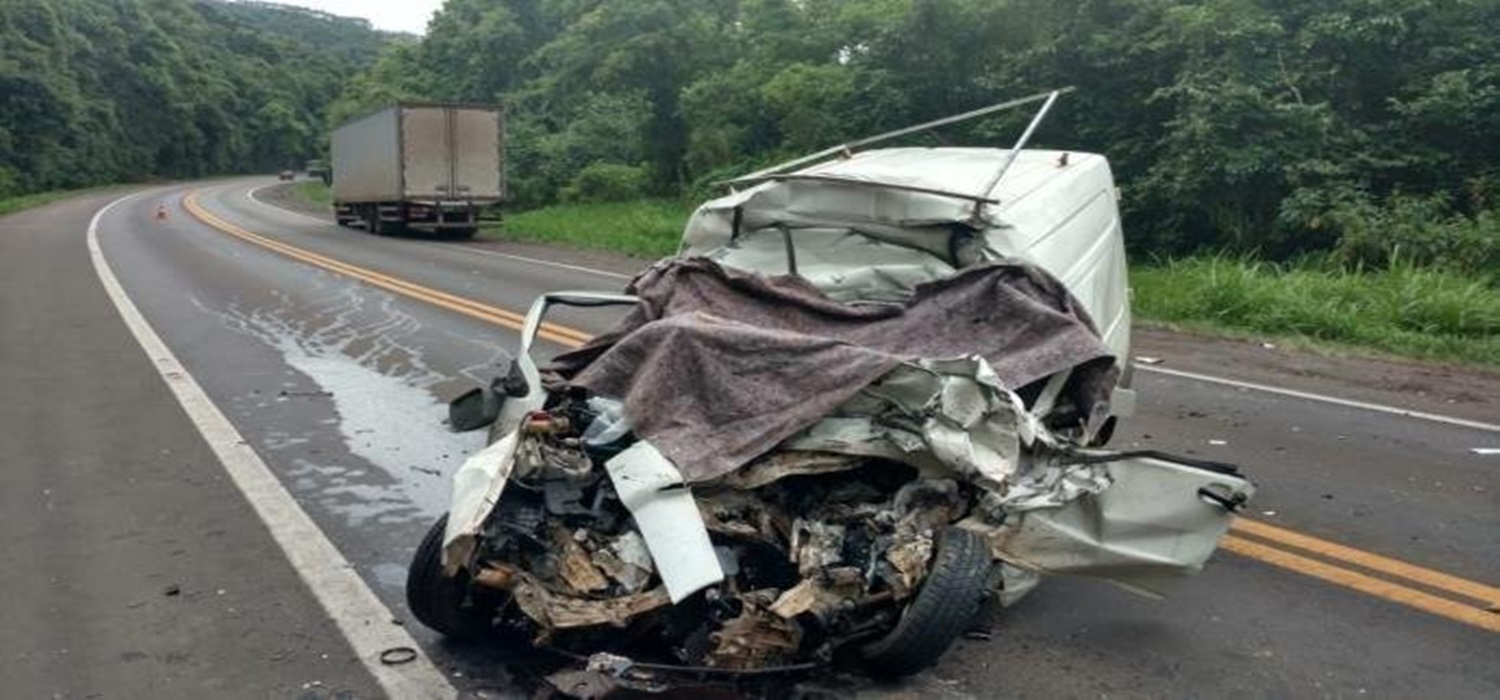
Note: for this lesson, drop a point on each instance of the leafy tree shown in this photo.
(95, 91)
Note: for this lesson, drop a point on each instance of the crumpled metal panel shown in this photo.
(667, 517)
(1148, 529)
(952, 414)
(477, 486)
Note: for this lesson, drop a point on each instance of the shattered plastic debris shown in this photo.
(627, 561)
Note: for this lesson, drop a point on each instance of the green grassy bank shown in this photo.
(646, 229)
(313, 192)
(27, 201)
(1403, 310)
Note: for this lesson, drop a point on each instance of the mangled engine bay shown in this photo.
(855, 412)
(898, 495)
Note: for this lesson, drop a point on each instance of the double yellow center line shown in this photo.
(1431, 591)
(468, 307)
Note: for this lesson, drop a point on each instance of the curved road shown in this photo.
(1368, 566)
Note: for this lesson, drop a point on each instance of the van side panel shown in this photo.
(1067, 220)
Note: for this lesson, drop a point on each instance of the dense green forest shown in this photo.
(1367, 128)
(1364, 130)
(97, 91)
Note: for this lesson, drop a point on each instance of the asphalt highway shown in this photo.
(1367, 566)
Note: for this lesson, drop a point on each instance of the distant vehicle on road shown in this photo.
(424, 167)
(286, 175)
(318, 168)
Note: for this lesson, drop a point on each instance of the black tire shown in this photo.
(943, 609)
(445, 603)
(1106, 432)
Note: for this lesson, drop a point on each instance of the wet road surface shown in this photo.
(333, 359)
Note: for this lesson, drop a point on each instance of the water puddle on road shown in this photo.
(363, 357)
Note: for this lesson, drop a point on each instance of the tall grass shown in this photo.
(645, 229)
(1403, 309)
(313, 192)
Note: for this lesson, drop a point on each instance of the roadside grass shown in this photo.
(27, 201)
(647, 229)
(1403, 310)
(313, 192)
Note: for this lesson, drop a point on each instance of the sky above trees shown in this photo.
(408, 16)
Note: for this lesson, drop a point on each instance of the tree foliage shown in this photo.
(95, 91)
(1366, 128)
(1266, 125)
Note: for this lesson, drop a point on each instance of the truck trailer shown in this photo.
(421, 167)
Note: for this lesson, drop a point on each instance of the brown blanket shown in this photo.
(717, 366)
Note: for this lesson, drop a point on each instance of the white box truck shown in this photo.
(422, 167)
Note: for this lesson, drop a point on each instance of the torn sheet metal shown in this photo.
(555, 611)
(627, 561)
(823, 596)
(816, 545)
(779, 465)
(755, 638)
(574, 565)
(1063, 218)
(1148, 529)
(717, 367)
(664, 510)
(955, 413)
(477, 486)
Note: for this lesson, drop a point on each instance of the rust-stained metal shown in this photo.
(756, 638)
(574, 566)
(557, 611)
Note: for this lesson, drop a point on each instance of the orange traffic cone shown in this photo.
(161, 212)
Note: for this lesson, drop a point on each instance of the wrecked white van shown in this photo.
(866, 400)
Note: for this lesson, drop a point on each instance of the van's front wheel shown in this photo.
(447, 604)
(947, 604)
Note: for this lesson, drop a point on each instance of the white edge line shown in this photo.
(365, 621)
(1379, 408)
(472, 249)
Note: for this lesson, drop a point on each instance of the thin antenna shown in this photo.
(847, 148)
(1015, 150)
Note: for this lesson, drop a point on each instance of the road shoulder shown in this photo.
(138, 568)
